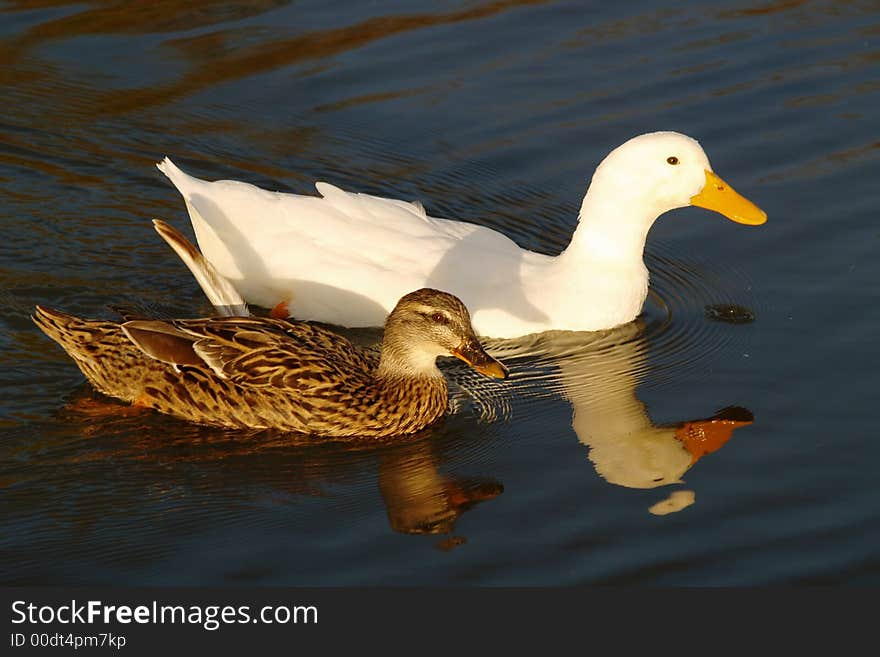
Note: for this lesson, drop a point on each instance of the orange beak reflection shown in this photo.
(717, 195)
(701, 437)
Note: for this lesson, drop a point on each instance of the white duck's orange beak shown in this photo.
(717, 195)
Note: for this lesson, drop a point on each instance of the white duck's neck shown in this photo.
(600, 279)
(611, 232)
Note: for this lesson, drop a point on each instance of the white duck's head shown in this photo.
(660, 171)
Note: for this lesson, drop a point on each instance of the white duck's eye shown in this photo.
(672, 159)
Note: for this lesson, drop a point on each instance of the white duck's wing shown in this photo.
(344, 257)
(410, 219)
(399, 247)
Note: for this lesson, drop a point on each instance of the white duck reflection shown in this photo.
(598, 373)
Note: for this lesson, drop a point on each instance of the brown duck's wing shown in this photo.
(256, 351)
(293, 356)
(162, 341)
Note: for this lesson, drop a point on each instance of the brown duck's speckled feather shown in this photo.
(248, 372)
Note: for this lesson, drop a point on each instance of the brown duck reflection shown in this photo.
(599, 373)
(419, 498)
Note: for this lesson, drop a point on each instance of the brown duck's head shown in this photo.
(429, 323)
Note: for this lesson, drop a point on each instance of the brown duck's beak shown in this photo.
(717, 195)
(472, 353)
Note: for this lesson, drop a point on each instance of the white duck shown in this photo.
(346, 258)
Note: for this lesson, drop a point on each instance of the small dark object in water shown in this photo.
(730, 313)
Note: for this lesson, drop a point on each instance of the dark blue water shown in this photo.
(571, 472)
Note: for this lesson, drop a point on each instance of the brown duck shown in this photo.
(265, 373)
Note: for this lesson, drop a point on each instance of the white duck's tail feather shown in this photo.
(220, 292)
(173, 172)
(197, 192)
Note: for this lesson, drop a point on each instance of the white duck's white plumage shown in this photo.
(346, 258)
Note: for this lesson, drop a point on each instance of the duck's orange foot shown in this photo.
(280, 311)
(141, 402)
(99, 408)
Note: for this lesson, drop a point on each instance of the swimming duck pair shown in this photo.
(351, 259)
(267, 373)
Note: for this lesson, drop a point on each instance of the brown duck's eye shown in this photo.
(672, 159)
(440, 318)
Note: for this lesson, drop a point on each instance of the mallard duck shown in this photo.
(266, 373)
(345, 258)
